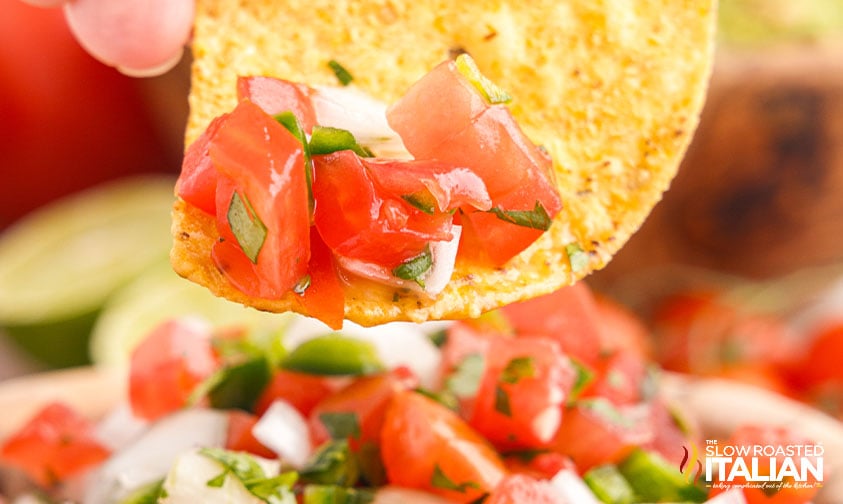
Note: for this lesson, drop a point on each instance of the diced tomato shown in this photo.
(275, 96)
(366, 400)
(303, 391)
(358, 221)
(775, 437)
(265, 164)
(324, 298)
(821, 363)
(621, 329)
(524, 386)
(568, 315)
(619, 377)
(521, 488)
(239, 436)
(542, 465)
(596, 432)
(463, 338)
(197, 182)
(672, 432)
(444, 117)
(55, 444)
(450, 187)
(167, 366)
(425, 445)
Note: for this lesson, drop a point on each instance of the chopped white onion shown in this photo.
(120, 427)
(149, 457)
(398, 495)
(284, 430)
(443, 254)
(573, 488)
(350, 109)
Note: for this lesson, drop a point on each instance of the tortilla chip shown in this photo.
(613, 90)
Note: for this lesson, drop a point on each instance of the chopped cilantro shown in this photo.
(343, 75)
(415, 268)
(502, 405)
(537, 218)
(247, 226)
(440, 480)
(421, 200)
(332, 464)
(577, 256)
(341, 424)
(465, 381)
(273, 490)
(517, 368)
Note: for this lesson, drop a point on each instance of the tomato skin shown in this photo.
(265, 164)
(55, 444)
(621, 329)
(239, 435)
(303, 391)
(541, 466)
(619, 378)
(521, 488)
(522, 412)
(275, 96)
(752, 435)
(821, 363)
(368, 398)
(167, 366)
(568, 315)
(197, 182)
(420, 436)
(357, 221)
(324, 299)
(591, 437)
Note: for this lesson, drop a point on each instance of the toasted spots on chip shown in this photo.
(612, 89)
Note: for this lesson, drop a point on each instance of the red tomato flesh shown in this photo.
(239, 435)
(265, 164)
(520, 489)
(54, 445)
(197, 182)
(275, 96)
(424, 445)
(303, 391)
(358, 221)
(167, 366)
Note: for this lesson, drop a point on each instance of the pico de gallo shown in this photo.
(551, 408)
(390, 194)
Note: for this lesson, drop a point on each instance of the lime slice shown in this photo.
(59, 264)
(160, 294)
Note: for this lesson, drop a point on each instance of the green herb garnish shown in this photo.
(274, 490)
(332, 494)
(422, 200)
(326, 139)
(343, 75)
(518, 368)
(415, 268)
(341, 424)
(502, 405)
(440, 480)
(332, 464)
(577, 257)
(537, 218)
(465, 381)
(488, 89)
(247, 226)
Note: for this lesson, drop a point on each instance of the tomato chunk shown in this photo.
(520, 488)
(358, 221)
(264, 164)
(167, 366)
(239, 435)
(197, 182)
(303, 391)
(568, 315)
(524, 386)
(324, 298)
(275, 96)
(54, 445)
(444, 117)
(427, 446)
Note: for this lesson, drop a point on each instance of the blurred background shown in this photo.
(738, 271)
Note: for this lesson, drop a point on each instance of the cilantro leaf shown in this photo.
(517, 368)
(341, 424)
(502, 405)
(343, 75)
(577, 256)
(537, 218)
(414, 268)
(244, 467)
(440, 480)
(247, 226)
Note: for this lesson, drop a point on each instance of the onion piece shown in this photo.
(151, 455)
(350, 109)
(444, 254)
(284, 430)
(398, 495)
(573, 488)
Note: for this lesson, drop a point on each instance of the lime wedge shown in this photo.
(60, 263)
(160, 294)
